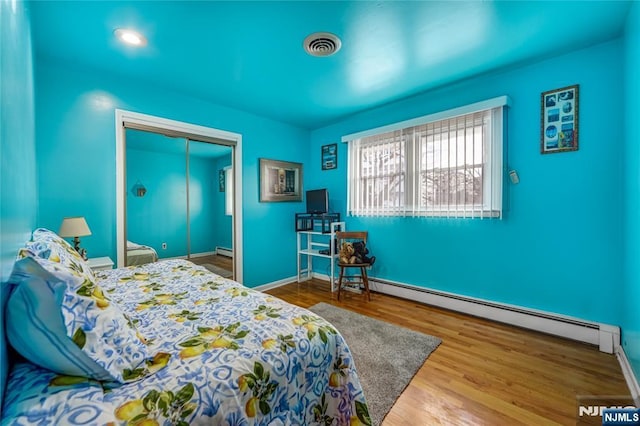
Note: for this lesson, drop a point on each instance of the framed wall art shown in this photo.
(330, 156)
(280, 181)
(559, 120)
(221, 180)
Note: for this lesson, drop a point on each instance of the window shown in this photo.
(446, 164)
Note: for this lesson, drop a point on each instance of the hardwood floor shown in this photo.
(483, 373)
(223, 262)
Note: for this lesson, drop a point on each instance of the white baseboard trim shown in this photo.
(320, 276)
(605, 336)
(629, 376)
(203, 254)
(275, 284)
(224, 251)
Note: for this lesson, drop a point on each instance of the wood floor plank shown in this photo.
(484, 372)
(223, 262)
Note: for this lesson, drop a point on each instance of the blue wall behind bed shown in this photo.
(18, 194)
(631, 322)
(560, 246)
(75, 134)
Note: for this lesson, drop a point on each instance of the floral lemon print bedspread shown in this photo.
(231, 356)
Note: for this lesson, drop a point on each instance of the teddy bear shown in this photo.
(360, 253)
(346, 254)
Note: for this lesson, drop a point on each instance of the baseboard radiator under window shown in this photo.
(224, 251)
(605, 336)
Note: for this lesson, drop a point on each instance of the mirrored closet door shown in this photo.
(178, 201)
(210, 201)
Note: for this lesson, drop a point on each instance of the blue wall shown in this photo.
(75, 134)
(161, 215)
(559, 247)
(18, 194)
(631, 320)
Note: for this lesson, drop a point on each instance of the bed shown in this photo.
(138, 254)
(221, 354)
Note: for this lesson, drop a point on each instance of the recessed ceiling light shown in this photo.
(322, 44)
(131, 37)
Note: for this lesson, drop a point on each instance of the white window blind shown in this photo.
(451, 167)
(228, 195)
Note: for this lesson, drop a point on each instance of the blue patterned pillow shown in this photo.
(61, 320)
(49, 245)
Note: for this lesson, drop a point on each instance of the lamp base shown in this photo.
(76, 245)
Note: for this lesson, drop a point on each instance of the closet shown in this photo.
(179, 199)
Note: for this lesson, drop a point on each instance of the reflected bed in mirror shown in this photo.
(138, 254)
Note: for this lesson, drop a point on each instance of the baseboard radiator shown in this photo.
(224, 251)
(202, 254)
(605, 336)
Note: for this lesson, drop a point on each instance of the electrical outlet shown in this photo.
(164, 246)
(513, 175)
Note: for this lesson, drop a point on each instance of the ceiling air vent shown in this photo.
(322, 44)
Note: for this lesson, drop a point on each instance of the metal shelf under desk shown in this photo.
(309, 243)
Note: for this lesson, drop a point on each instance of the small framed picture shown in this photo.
(559, 120)
(221, 179)
(330, 156)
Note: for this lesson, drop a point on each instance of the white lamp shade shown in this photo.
(74, 227)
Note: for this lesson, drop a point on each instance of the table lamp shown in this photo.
(75, 227)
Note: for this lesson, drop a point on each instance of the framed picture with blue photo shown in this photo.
(559, 120)
(330, 156)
